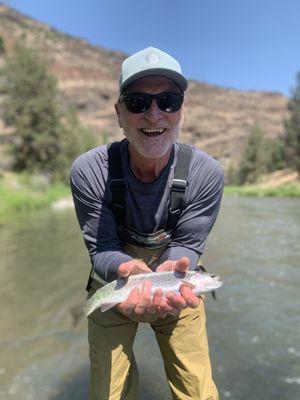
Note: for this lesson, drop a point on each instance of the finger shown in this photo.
(164, 309)
(127, 306)
(165, 266)
(160, 304)
(144, 299)
(182, 264)
(176, 301)
(158, 297)
(140, 269)
(156, 301)
(191, 299)
(171, 309)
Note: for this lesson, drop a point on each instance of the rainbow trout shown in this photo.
(117, 291)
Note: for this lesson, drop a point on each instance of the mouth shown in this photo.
(151, 132)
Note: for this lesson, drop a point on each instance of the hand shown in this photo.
(138, 302)
(186, 298)
(133, 267)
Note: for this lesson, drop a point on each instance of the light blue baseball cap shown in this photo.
(151, 61)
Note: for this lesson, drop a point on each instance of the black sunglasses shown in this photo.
(140, 102)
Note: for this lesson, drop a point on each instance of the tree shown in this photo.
(2, 46)
(75, 139)
(274, 154)
(31, 108)
(292, 129)
(254, 158)
(44, 141)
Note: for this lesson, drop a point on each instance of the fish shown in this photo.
(118, 290)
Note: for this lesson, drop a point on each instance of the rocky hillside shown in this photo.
(218, 120)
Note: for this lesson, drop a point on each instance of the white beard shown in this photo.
(154, 147)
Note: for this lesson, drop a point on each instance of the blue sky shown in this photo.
(231, 43)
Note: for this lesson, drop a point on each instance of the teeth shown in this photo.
(154, 130)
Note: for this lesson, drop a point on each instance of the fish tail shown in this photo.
(91, 305)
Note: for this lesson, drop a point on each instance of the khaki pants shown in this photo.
(183, 345)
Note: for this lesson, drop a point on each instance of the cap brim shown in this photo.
(179, 79)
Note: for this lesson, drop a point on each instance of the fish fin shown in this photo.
(213, 293)
(90, 307)
(200, 267)
(88, 310)
(107, 306)
(189, 284)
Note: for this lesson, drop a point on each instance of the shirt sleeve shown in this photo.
(96, 220)
(201, 209)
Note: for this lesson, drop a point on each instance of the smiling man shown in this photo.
(151, 133)
(147, 204)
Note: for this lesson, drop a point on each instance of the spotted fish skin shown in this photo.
(117, 291)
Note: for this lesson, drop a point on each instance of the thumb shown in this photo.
(182, 264)
(124, 270)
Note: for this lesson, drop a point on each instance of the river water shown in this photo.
(253, 327)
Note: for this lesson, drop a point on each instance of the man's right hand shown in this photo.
(139, 302)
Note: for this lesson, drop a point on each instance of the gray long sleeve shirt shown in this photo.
(146, 206)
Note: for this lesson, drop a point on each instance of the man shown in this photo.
(147, 204)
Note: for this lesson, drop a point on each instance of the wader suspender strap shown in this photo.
(179, 184)
(117, 185)
(117, 188)
(178, 187)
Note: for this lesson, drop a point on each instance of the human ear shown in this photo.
(118, 112)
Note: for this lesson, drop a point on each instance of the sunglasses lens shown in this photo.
(137, 102)
(169, 102)
(141, 102)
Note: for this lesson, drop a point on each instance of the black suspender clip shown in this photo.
(179, 185)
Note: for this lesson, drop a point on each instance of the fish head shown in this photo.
(204, 282)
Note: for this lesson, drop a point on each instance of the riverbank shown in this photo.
(290, 190)
(23, 193)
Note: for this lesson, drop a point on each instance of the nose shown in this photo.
(153, 114)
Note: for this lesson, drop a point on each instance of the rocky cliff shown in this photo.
(218, 120)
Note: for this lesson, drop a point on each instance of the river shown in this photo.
(253, 327)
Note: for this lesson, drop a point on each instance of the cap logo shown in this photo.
(152, 58)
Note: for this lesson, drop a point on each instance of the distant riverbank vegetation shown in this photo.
(27, 192)
(287, 190)
(47, 136)
(262, 155)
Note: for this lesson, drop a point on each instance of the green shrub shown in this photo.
(291, 136)
(45, 139)
(261, 155)
(2, 46)
(253, 161)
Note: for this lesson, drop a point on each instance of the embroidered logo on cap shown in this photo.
(152, 58)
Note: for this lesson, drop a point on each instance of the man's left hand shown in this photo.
(186, 298)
